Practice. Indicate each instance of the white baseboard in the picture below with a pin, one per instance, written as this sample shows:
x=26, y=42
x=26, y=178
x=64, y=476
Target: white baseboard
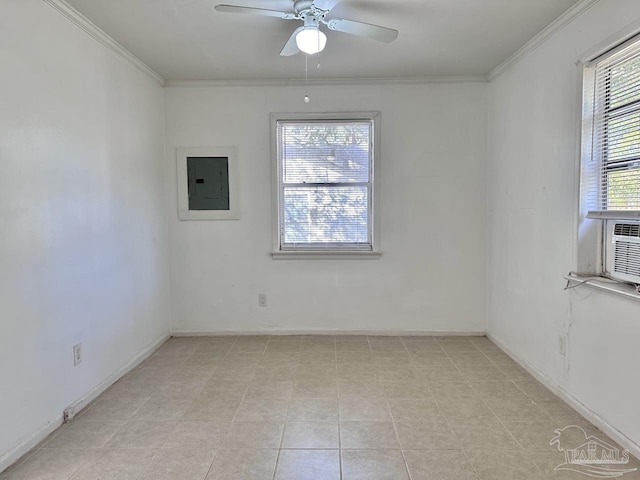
x=581, y=408
x=22, y=448
x=407, y=333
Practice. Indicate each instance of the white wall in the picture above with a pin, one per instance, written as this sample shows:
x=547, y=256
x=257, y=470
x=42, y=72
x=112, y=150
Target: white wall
x=532, y=210
x=84, y=239
x=432, y=216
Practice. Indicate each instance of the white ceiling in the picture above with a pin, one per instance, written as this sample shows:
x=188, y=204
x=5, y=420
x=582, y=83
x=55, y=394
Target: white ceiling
x=189, y=40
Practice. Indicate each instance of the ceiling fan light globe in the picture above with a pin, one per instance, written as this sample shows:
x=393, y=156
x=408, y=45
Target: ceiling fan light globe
x=311, y=40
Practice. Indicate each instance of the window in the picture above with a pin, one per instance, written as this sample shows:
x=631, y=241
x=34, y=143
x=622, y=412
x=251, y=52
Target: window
x=613, y=164
x=608, y=244
x=324, y=166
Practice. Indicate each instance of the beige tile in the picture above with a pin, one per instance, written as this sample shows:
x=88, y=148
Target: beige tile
x=251, y=343
x=534, y=436
x=262, y=409
x=254, y=435
x=418, y=348
x=308, y=465
x=49, y=464
x=242, y=359
x=270, y=389
x=536, y=391
x=276, y=372
x=241, y=464
x=373, y=464
x=109, y=464
x=166, y=360
x=484, y=344
x=282, y=345
x=280, y=359
x=161, y=406
x=482, y=373
x=503, y=465
x=235, y=373
x=414, y=410
x=218, y=349
x=113, y=407
x=439, y=465
x=208, y=408
x=483, y=434
x=516, y=409
x=364, y=409
x=452, y=390
x=357, y=346
x=315, y=372
x=562, y=413
x=498, y=357
x=151, y=375
x=179, y=464
x=440, y=373
x=397, y=373
x=400, y=358
x=368, y=435
x=225, y=389
x=351, y=357
x=469, y=358
x=318, y=344
x=515, y=372
x=434, y=435
x=313, y=409
x=317, y=358
x=461, y=410
x=84, y=434
x=315, y=388
x=311, y=435
x=406, y=390
x=354, y=388
x=357, y=371
x=458, y=346
x=197, y=434
x=497, y=389
x=203, y=360
x=141, y=434
x=437, y=359
x=179, y=346
x=127, y=388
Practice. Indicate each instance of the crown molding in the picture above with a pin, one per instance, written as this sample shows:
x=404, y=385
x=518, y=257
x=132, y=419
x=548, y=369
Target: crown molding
x=79, y=20
x=293, y=82
x=558, y=24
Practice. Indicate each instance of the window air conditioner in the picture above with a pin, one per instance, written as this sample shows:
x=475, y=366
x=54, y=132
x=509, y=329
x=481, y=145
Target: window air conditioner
x=623, y=254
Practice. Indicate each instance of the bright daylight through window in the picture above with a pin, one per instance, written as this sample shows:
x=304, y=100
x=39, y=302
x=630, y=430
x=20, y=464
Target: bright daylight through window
x=613, y=81
x=325, y=182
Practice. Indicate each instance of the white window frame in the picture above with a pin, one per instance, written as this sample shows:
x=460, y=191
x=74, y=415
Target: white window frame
x=329, y=251
x=592, y=226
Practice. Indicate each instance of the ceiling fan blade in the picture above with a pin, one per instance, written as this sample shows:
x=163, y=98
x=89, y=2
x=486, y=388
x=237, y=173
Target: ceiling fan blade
x=291, y=47
x=325, y=5
x=255, y=11
x=382, y=34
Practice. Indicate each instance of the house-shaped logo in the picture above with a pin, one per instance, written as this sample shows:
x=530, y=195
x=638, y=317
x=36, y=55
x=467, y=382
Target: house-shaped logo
x=589, y=455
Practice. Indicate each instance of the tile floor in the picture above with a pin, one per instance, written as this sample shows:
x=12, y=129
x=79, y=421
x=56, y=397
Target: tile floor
x=315, y=407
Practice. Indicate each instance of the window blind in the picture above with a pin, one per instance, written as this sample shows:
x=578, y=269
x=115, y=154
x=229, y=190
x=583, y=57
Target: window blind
x=325, y=181
x=615, y=156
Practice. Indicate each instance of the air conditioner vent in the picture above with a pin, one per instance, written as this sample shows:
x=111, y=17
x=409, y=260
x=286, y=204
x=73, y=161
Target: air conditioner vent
x=627, y=230
x=627, y=258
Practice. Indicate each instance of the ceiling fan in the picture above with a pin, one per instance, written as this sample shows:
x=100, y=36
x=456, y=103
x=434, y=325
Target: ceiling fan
x=308, y=37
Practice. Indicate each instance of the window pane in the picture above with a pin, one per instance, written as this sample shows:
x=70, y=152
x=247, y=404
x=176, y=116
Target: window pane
x=623, y=137
x=325, y=152
x=625, y=83
x=326, y=215
x=622, y=189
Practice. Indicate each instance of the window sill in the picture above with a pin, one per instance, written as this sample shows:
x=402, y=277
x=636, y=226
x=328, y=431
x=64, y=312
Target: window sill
x=602, y=283
x=324, y=255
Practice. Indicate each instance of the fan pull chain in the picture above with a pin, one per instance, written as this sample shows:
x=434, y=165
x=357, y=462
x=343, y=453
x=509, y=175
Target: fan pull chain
x=306, y=78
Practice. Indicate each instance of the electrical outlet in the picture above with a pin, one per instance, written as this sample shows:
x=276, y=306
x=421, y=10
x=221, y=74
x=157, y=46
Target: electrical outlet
x=262, y=299
x=77, y=354
x=562, y=345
